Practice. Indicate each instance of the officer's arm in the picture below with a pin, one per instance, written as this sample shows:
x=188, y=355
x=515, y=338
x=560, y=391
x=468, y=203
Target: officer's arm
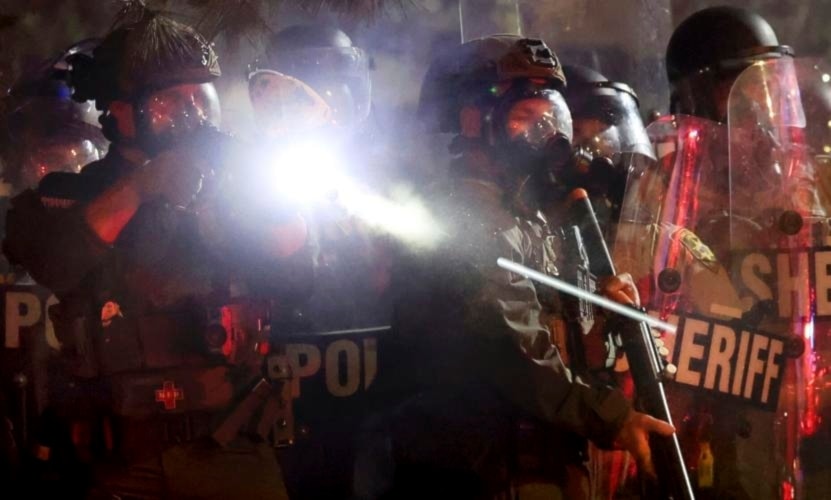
x=289, y=270
x=109, y=213
x=271, y=253
x=533, y=376
x=48, y=234
x=289, y=277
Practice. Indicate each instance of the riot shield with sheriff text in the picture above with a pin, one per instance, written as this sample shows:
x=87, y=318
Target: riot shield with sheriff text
x=679, y=276
x=724, y=235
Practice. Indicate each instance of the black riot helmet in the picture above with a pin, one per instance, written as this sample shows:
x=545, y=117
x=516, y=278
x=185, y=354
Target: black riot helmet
x=305, y=36
x=482, y=81
x=708, y=50
x=609, y=135
x=47, y=130
x=310, y=76
x=161, y=68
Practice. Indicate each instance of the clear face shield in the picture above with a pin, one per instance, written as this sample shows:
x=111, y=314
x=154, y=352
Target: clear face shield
x=173, y=114
x=611, y=125
x=309, y=88
x=284, y=105
x=52, y=135
x=772, y=176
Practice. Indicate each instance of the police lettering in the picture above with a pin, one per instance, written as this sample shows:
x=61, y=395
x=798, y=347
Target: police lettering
x=26, y=307
x=347, y=365
x=717, y=357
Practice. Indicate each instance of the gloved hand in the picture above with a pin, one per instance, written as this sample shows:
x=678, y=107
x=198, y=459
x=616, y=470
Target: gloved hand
x=174, y=175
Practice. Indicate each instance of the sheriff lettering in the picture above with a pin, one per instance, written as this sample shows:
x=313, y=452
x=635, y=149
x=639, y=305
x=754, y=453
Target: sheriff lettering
x=798, y=281
x=726, y=359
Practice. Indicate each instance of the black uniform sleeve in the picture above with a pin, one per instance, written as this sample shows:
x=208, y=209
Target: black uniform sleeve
x=289, y=279
x=46, y=234
x=475, y=322
x=517, y=358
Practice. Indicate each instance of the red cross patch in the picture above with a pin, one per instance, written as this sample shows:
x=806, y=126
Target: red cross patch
x=169, y=394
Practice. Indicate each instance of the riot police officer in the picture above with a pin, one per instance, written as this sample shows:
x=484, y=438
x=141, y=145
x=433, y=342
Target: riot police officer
x=141, y=269
x=310, y=91
x=609, y=143
x=472, y=356
x=738, y=121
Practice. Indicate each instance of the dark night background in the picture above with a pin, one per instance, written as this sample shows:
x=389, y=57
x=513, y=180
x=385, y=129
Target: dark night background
x=401, y=36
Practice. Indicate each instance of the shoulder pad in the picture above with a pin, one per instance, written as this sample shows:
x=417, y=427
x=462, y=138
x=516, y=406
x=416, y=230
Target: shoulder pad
x=61, y=190
x=64, y=189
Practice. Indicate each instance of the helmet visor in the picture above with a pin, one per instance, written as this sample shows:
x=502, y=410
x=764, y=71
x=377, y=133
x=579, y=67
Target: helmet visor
x=770, y=166
x=611, y=126
x=175, y=112
x=339, y=75
x=284, y=105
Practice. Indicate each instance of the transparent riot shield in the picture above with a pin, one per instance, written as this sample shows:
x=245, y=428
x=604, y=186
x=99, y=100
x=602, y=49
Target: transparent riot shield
x=579, y=33
x=815, y=90
x=771, y=172
x=480, y=18
x=632, y=52
x=774, y=191
x=815, y=425
x=667, y=203
x=725, y=236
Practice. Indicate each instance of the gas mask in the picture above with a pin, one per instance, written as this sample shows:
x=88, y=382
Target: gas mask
x=609, y=138
x=595, y=159
x=533, y=140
